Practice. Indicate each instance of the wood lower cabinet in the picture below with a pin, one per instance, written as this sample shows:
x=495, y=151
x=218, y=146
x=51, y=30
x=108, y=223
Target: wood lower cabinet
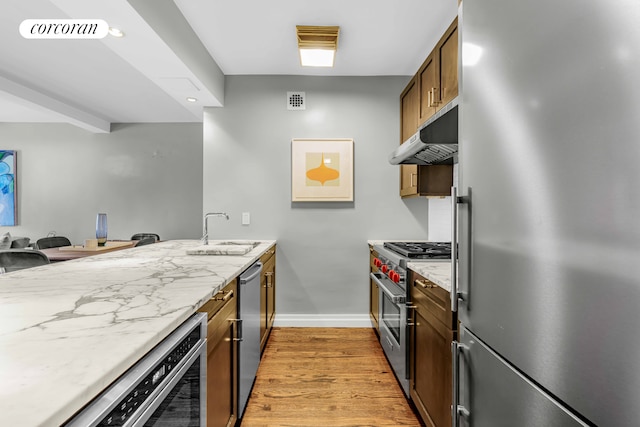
x=222, y=357
x=433, y=328
x=268, y=295
x=374, y=295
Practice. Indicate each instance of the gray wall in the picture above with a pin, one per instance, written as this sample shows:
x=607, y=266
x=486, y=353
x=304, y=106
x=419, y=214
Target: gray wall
x=146, y=177
x=322, y=265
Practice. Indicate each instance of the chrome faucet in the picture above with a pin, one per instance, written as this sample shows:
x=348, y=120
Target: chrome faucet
x=205, y=231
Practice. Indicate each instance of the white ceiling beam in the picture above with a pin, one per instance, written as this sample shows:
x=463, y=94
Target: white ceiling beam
x=160, y=44
x=71, y=114
x=169, y=23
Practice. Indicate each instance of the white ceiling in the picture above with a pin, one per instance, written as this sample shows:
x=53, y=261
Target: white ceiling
x=179, y=48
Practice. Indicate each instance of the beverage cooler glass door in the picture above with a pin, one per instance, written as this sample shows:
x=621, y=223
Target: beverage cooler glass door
x=183, y=402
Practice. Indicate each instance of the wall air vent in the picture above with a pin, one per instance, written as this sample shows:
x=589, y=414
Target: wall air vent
x=296, y=101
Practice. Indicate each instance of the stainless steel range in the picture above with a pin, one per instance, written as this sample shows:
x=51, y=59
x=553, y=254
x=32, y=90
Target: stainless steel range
x=394, y=296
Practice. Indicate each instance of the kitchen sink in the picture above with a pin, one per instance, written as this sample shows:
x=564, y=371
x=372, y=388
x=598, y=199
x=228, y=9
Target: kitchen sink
x=251, y=243
x=224, y=247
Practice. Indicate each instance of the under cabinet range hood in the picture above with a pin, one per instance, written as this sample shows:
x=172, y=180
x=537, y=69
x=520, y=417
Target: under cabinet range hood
x=435, y=143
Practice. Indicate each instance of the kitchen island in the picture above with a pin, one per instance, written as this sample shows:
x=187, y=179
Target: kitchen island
x=68, y=330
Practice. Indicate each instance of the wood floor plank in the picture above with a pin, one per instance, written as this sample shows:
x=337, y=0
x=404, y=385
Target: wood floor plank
x=329, y=377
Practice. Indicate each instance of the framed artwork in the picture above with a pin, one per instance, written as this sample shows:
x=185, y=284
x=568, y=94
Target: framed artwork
x=322, y=170
x=8, y=195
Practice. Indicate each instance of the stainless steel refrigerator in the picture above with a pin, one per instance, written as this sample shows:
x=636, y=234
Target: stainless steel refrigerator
x=549, y=214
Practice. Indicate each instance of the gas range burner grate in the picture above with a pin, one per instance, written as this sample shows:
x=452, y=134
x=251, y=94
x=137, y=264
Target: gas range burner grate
x=421, y=250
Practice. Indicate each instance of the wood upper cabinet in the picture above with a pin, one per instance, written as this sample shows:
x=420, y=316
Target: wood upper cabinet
x=434, y=85
x=267, y=295
x=433, y=328
x=428, y=88
x=222, y=357
x=438, y=75
x=409, y=109
x=447, y=56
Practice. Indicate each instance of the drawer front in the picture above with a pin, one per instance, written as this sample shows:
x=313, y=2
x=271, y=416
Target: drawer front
x=218, y=325
x=218, y=301
x=432, y=298
x=268, y=254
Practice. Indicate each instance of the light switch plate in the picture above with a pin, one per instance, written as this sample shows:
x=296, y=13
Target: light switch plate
x=246, y=218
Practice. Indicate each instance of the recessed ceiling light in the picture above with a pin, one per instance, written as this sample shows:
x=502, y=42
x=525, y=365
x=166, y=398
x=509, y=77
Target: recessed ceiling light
x=317, y=45
x=116, y=32
x=191, y=99
x=317, y=57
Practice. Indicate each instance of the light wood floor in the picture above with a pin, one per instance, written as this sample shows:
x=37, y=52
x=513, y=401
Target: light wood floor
x=326, y=377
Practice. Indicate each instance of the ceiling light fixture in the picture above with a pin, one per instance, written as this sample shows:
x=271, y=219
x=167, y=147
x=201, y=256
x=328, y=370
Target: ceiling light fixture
x=116, y=32
x=191, y=99
x=317, y=45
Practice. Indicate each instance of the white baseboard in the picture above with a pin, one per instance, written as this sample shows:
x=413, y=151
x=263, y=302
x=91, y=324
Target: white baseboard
x=323, y=321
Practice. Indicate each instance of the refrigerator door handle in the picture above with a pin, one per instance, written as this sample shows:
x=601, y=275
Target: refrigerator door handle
x=457, y=349
x=454, y=249
x=456, y=294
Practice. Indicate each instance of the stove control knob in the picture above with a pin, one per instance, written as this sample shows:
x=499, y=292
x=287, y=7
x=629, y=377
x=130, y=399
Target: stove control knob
x=385, y=268
x=377, y=262
x=392, y=276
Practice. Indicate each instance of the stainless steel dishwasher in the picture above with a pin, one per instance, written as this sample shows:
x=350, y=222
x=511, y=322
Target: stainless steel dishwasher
x=249, y=351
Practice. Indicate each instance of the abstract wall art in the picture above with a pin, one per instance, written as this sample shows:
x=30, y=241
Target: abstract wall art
x=322, y=170
x=8, y=195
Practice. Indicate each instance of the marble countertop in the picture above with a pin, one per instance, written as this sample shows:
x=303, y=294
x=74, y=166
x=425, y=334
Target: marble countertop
x=380, y=242
x=438, y=272
x=69, y=329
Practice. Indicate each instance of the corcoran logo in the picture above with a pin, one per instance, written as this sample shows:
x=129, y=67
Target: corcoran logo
x=64, y=28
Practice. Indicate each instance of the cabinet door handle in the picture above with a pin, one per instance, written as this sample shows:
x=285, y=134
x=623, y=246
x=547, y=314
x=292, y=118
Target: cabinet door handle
x=429, y=102
x=433, y=96
x=269, y=276
x=226, y=297
x=425, y=285
x=411, y=322
x=411, y=184
x=239, y=329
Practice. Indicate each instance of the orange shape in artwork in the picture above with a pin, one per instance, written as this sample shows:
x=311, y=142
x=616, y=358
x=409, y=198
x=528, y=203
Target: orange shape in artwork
x=322, y=173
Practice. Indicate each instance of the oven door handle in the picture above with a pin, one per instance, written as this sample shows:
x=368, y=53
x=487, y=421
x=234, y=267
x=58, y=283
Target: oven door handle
x=397, y=297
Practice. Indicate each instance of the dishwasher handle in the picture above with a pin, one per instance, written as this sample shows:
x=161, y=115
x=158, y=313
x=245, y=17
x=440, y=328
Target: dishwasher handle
x=251, y=273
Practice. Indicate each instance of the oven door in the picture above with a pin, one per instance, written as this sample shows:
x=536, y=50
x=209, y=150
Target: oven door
x=392, y=321
x=183, y=401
